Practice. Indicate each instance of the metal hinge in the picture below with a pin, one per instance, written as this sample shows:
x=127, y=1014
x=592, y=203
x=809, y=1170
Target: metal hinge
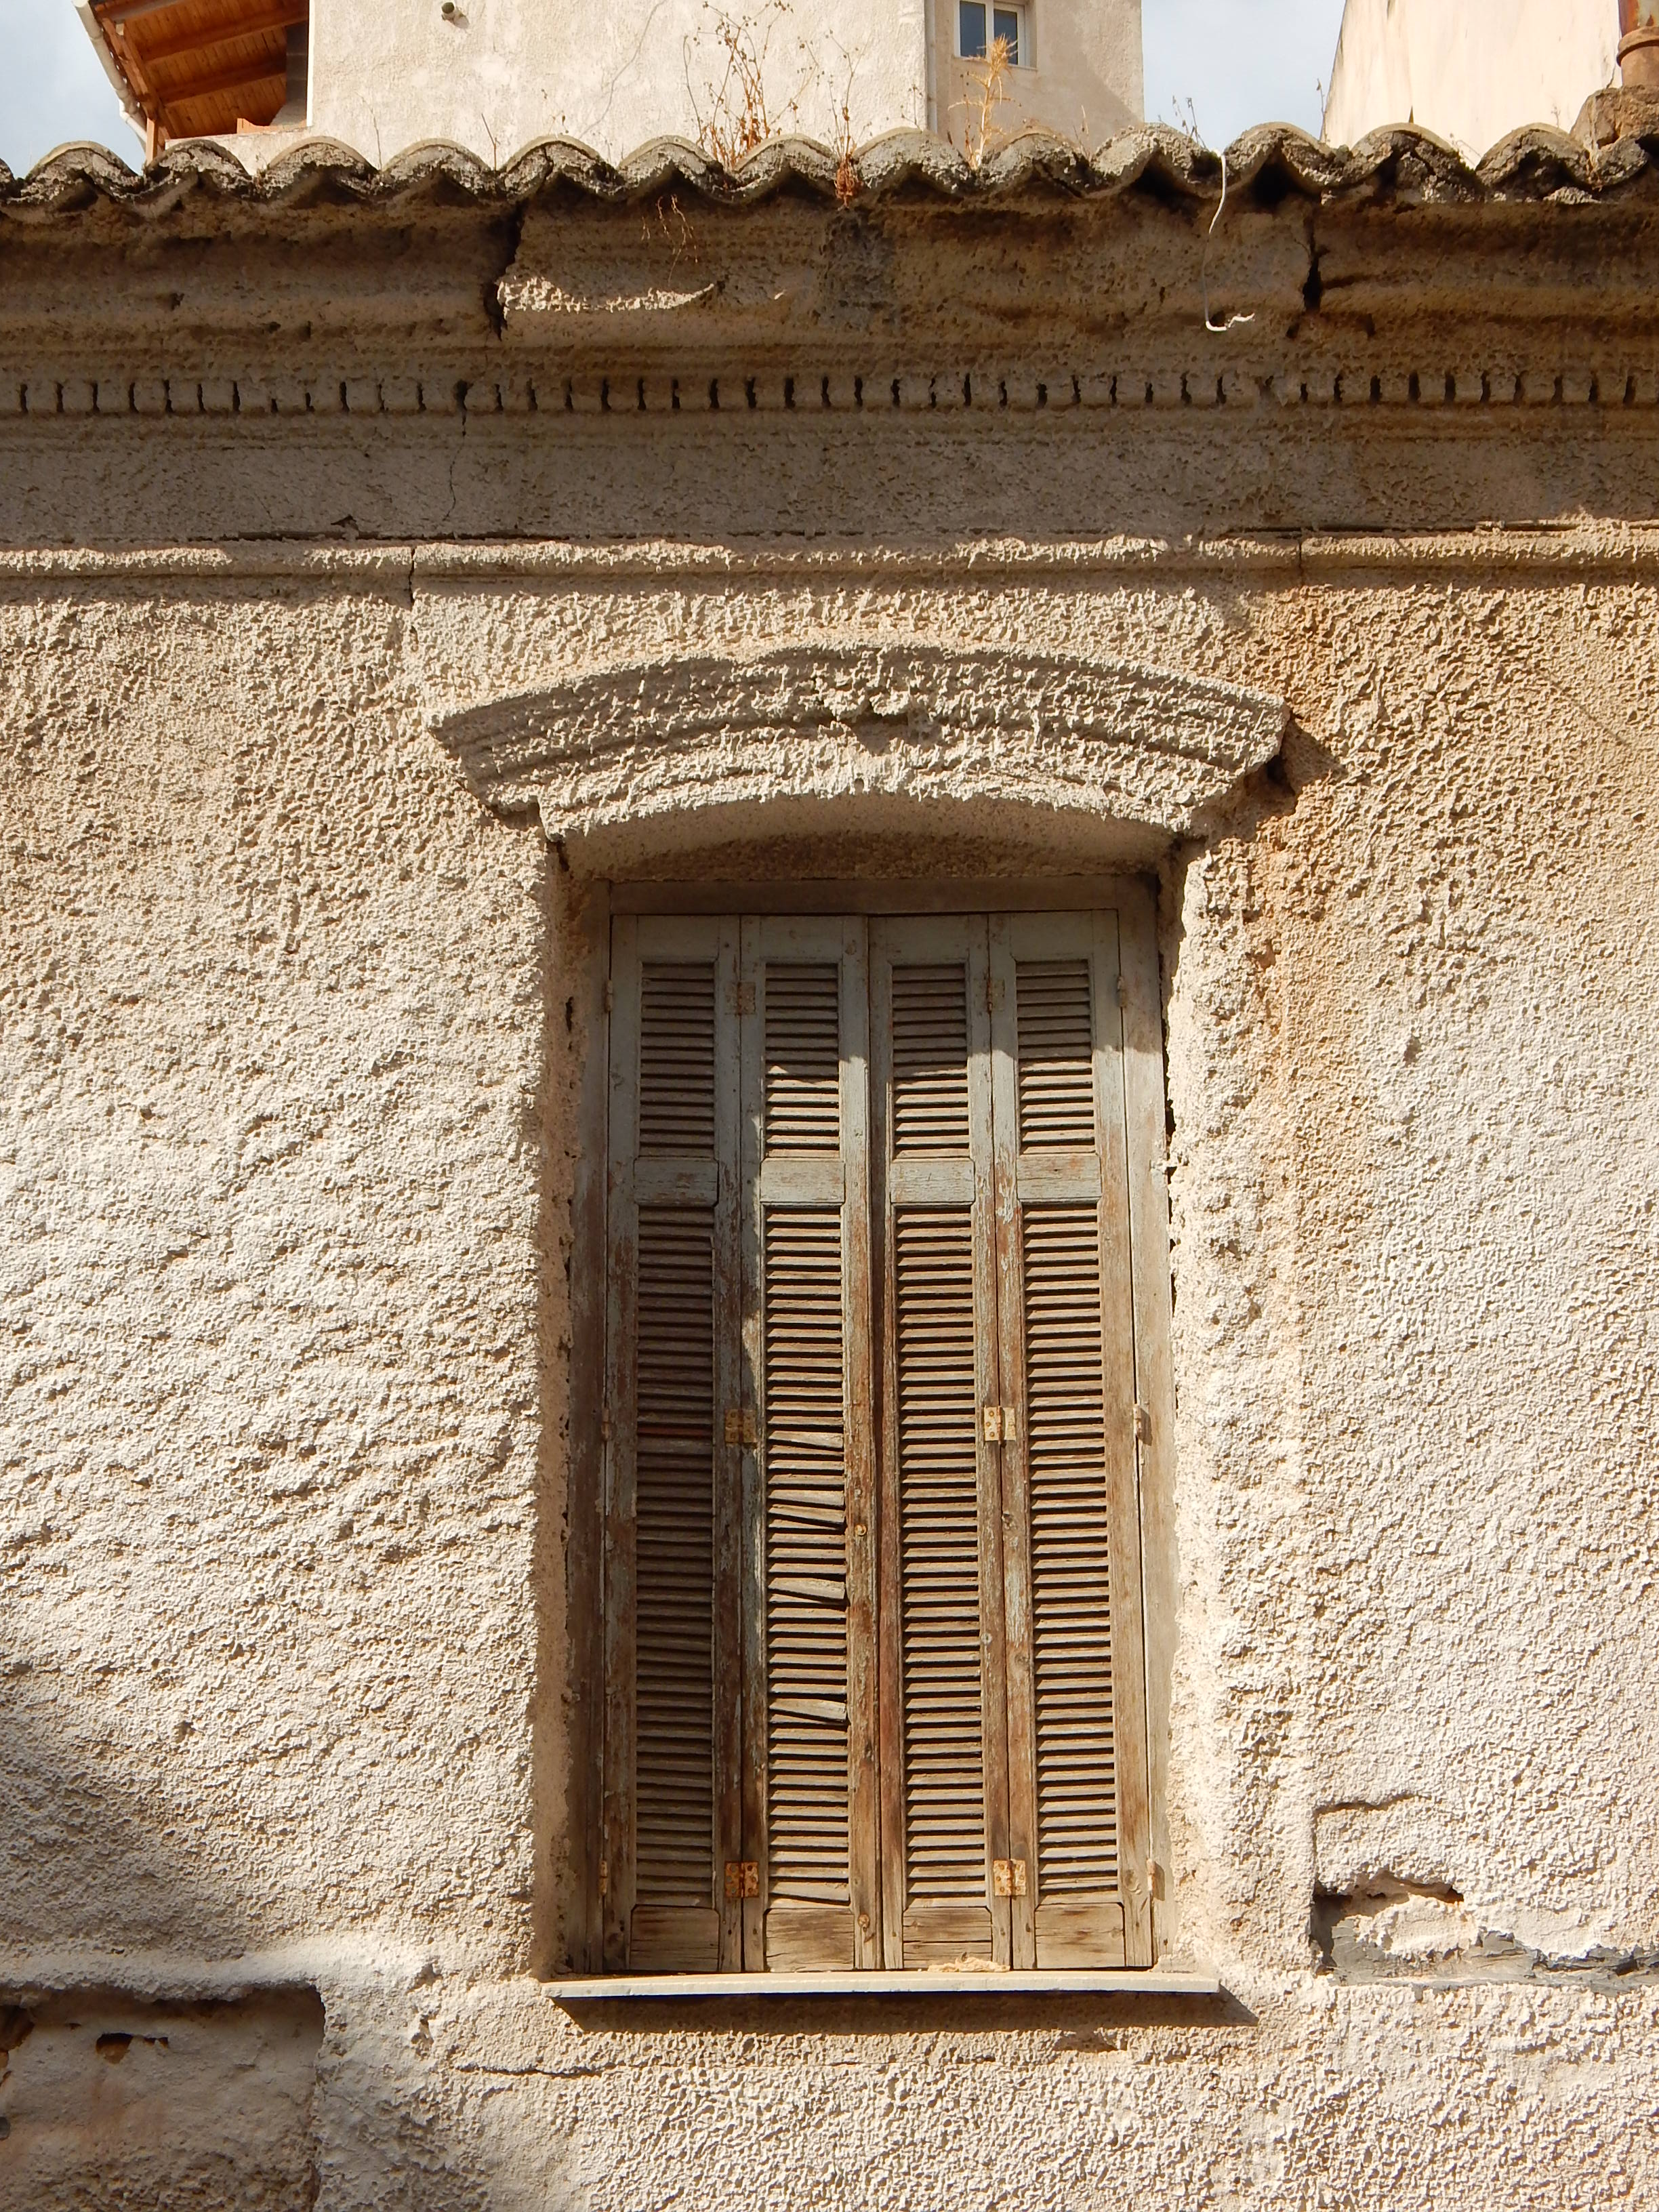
x=605, y=1877
x=1008, y=1878
x=1122, y=992
x=742, y=1880
x=605, y=1427
x=1142, y=1426
x=993, y=992
x=609, y=997
x=1001, y=1424
x=740, y=1425
x=742, y=998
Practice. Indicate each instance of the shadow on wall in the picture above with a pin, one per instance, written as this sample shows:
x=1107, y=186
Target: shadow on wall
x=108, y=2101
x=90, y=1862
x=106, y=2098
x=229, y=2103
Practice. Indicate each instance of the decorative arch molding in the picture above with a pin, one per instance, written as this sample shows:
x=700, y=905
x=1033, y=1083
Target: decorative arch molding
x=817, y=722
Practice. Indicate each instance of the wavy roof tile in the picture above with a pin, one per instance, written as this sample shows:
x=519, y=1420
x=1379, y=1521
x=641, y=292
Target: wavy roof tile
x=1401, y=165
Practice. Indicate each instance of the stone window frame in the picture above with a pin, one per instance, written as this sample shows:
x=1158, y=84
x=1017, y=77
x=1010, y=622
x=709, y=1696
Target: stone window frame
x=731, y=742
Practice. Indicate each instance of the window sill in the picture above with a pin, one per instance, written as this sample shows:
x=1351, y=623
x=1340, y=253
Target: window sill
x=1054, y=1981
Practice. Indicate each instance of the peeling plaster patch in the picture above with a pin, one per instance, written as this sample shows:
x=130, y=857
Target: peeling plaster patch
x=1390, y=1930
x=109, y=2100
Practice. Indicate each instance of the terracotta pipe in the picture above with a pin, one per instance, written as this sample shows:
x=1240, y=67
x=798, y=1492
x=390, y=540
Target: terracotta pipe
x=1638, y=44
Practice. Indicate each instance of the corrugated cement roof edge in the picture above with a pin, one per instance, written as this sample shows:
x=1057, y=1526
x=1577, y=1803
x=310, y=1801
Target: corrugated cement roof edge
x=1401, y=164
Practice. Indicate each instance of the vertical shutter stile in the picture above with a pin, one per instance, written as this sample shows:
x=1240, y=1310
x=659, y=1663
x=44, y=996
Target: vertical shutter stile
x=1011, y=1334
x=1131, y=1076
x=1078, y=1718
x=671, y=1735
x=811, y=1827
x=616, y=1430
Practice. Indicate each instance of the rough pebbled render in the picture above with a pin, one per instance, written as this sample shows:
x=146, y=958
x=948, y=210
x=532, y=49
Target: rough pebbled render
x=290, y=1032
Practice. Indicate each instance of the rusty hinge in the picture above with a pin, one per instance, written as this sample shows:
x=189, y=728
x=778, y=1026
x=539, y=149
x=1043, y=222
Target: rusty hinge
x=1122, y=991
x=742, y=1880
x=742, y=998
x=993, y=992
x=609, y=997
x=1008, y=1878
x=605, y=1877
x=1001, y=1424
x=605, y=1427
x=740, y=1425
x=1142, y=1426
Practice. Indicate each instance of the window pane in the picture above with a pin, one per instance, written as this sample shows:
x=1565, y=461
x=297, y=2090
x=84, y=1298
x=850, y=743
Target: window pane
x=971, y=29
x=1005, y=24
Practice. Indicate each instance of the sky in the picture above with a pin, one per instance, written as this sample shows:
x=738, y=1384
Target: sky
x=1221, y=63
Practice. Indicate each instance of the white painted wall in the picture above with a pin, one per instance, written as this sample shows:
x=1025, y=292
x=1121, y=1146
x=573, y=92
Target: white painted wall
x=1470, y=71
x=498, y=74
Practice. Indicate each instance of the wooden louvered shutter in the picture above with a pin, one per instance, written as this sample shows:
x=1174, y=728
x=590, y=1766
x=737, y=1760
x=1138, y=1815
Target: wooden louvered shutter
x=673, y=1661
x=944, y=1803
x=1076, y=1681
x=811, y=1802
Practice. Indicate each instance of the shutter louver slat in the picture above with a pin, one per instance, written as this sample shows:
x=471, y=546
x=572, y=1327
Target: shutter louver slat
x=676, y=1058
x=803, y=1058
x=1054, y=1027
x=667, y=1388
x=811, y=1790
x=1071, y=1563
x=938, y=1550
x=946, y=1802
x=674, y=1548
x=930, y=1058
x=806, y=1557
x=1069, y=1473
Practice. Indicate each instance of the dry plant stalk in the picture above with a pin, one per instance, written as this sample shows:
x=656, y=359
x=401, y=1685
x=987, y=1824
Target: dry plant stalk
x=672, y=228
x=987, y=90
x=738, y=119
x=841, y=143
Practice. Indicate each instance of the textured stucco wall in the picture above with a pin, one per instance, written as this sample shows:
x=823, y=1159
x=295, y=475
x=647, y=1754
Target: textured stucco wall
x=288, y=1140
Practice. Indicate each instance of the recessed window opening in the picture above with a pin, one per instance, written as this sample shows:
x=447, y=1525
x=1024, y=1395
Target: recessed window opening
x=874, y=1627
x=979, y=27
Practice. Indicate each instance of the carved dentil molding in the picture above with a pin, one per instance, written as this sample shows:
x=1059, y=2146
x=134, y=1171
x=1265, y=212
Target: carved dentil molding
x=826, y=721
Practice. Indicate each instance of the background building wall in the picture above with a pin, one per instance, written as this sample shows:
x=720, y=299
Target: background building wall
x=500, y=73
x=1470, y=71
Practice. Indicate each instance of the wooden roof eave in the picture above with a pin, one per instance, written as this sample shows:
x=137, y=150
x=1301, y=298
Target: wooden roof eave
x=200, y=52
x=126, y=92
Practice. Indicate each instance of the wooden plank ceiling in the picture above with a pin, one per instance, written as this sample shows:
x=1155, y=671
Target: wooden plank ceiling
x=197, y=67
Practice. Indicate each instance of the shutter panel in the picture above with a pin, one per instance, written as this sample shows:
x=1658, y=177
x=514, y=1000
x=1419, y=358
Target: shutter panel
x=810, y=1788
x=943, y=1705
x=1077, y=1707
x=673, y=1664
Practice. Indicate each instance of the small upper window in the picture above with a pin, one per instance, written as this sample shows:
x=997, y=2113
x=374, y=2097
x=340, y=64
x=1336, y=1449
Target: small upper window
x=1006, y=26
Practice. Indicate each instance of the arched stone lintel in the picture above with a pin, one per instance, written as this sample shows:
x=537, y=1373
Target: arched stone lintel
x=823, y=721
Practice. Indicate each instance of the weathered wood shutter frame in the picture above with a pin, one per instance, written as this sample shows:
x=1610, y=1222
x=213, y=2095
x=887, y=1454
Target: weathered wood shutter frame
x=776, y=1183
x=1093, y=1175
x=1127, y=941
x=917, y=1930
x=710, y=1184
